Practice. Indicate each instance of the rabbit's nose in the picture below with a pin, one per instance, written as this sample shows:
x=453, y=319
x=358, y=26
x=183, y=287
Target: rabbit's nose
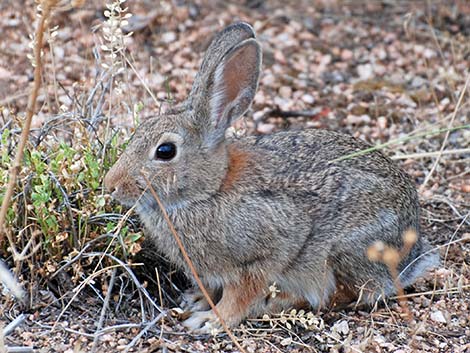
x=111, y=190
x=111, y=180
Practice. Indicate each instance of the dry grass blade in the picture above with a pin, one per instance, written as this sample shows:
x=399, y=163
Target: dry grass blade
x=454, y=114
x=46, y=6
x=432, y=154
x=191, y=266
x=104, y=308
x=400, y=141
x=119, y=264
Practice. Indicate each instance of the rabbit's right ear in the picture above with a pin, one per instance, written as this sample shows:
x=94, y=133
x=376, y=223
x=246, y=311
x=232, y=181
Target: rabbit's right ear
x=235, y=81
x=227, y=90
x=225, y=40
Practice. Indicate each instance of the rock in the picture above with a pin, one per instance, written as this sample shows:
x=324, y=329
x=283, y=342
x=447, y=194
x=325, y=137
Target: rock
x=266, y=128
x=307, y=98
x=365, y=71
x=357, y=119
x=168, y=37
x=406, y=101
x=285, y=92
x=5, y=74
x=418, y=82
x=341, y=327
x=444, y=102
x=438, y=316
x=268, y=80
x=429, y=53
x=333, y=77
x=257, y=116
x=346, y=55
x=279, y=56
x=382, y=122
x=283, y=103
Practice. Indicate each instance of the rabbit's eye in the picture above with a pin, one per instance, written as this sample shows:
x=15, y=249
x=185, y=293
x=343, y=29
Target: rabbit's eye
x=165, y=151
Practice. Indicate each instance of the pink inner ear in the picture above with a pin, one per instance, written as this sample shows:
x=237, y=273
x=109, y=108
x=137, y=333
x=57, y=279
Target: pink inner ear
x=237, y=75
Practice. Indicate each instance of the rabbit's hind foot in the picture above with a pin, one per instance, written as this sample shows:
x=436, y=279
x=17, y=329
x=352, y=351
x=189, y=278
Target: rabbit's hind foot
x=193, y=300
x=233, y=307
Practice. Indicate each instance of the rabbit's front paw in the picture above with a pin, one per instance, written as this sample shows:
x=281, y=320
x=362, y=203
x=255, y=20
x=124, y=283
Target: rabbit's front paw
x=193, y=300
x=203, y=322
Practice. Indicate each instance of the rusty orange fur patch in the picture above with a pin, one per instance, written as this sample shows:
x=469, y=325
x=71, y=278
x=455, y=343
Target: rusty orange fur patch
x=237, y=298
x=252, y=288
x=237, y=163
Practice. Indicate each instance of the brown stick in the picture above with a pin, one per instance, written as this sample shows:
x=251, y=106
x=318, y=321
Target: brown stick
x=191, y=266
x=47, y=6
x=294, y=113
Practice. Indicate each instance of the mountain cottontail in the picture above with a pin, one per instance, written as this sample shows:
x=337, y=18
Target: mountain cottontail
x=259, y=210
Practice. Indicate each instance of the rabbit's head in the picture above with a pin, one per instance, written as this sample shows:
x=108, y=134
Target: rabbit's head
x=183, y=152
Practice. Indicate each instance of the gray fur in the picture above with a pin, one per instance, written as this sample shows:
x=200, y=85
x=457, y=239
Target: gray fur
x=288, y=215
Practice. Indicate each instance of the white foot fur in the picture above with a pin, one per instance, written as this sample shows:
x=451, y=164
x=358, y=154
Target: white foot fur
x=203, y=322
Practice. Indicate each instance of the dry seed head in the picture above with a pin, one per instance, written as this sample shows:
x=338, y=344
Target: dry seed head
x=113, y=35
x=375, y=251
x=391, y=257
x=273, y=290
x=410, y=237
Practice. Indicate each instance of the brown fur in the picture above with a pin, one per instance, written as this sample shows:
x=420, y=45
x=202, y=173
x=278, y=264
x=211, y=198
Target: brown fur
x=237, y=298
x=238, y=162
x=120, y=175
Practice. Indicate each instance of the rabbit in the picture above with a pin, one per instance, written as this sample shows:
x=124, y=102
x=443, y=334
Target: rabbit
x=258, y=211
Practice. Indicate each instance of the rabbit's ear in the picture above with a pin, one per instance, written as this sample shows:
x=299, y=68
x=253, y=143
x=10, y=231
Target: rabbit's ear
x=234, y=85
x=225, y=40
x=230, y=90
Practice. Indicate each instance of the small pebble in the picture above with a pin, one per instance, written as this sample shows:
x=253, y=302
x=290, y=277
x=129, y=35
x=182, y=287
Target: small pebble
x=438, y=316
x=266, y=128
x=285, y=92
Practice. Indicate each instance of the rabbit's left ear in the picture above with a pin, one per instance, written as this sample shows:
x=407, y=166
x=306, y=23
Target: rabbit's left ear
x=234, y=83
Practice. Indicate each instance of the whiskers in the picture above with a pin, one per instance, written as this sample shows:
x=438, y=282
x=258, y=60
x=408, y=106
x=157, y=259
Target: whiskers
x=168, y=192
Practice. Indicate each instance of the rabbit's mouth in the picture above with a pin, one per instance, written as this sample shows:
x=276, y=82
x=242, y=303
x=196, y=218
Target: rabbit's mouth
x=126, y=201
x=132, y=200
x=146, y=203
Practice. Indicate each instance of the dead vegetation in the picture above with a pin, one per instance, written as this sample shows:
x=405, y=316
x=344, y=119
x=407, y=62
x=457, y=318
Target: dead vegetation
x=394, y=74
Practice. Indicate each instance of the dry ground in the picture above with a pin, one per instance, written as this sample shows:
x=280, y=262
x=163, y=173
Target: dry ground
x=379, y=70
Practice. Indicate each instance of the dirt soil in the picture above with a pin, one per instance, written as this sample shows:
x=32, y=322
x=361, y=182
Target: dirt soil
x=379, y=70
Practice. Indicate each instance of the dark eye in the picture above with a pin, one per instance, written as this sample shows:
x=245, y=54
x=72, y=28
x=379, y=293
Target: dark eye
x=165, y=151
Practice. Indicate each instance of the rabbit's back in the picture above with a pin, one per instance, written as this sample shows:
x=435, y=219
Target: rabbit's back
x=288, y=212
x=339, y=195
x=309, y=163
x=350, y=204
